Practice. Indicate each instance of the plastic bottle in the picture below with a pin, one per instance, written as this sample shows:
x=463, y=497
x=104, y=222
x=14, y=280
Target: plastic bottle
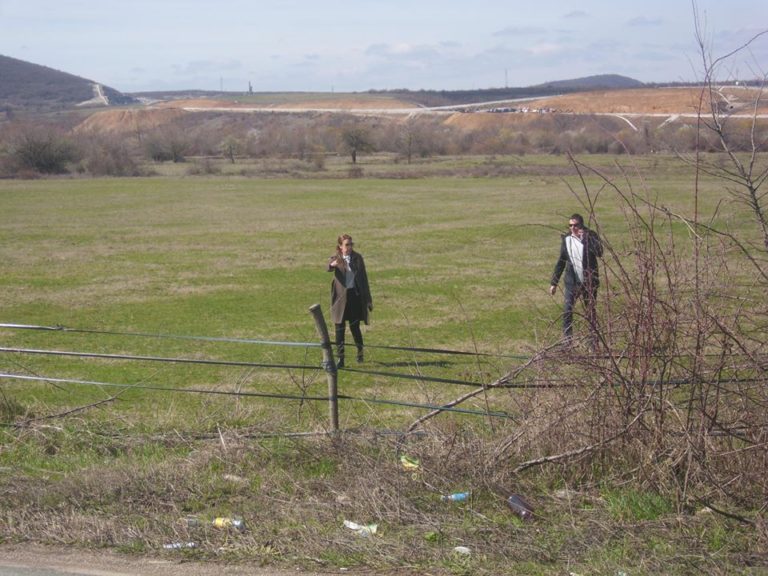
x=362, y=529
x=520, y=507
x=455, y=497
x=179, y=545
x=225, y=522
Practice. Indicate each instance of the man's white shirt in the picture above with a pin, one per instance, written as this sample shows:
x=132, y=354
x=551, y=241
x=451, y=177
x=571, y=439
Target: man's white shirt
x=576, y=254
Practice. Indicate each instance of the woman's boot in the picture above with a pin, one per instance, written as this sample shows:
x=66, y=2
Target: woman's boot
x=357, y=334
x=340, y=345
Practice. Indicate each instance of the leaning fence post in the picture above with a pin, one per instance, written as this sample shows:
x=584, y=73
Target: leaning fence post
x=328, y=364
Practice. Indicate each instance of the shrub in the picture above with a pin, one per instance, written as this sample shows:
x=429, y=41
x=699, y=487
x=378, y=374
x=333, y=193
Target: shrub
x=46, y=154
x=109, y=157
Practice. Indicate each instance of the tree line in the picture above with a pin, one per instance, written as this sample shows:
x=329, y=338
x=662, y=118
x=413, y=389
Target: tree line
x=61, y=146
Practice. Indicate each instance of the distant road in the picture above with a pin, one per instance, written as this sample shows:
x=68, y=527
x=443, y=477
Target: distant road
x=447, y=110
x=371, y=111
x=99, y=98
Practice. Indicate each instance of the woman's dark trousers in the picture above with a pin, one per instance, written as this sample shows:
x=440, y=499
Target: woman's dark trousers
x=357, y=335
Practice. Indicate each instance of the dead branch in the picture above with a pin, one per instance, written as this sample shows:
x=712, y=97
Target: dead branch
x=31, y=421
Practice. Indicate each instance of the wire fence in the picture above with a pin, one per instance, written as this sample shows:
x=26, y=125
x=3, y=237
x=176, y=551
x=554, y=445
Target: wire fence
x=326, y=366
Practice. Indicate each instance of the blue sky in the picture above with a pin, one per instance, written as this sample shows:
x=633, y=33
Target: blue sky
x=342, y=45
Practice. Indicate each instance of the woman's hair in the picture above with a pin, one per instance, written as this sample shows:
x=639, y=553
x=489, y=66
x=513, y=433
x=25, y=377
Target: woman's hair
x=340, y=241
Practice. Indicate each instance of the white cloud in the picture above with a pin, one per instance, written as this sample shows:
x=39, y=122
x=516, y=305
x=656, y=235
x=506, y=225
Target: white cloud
x=544, y=49
x=516, y=31
x=644, y=22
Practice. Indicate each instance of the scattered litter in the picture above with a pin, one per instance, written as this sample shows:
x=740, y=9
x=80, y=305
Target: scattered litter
x=179, y=545
x=462, y=550
x=705, y=510
x=226, y=522
x=235, y=479
x=566, y=494
x=520, y=507
x=343, y=499
x=191, y=521
x=456, y=497
x=362, y=529
x=409, y=463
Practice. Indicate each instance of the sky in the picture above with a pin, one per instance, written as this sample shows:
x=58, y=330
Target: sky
x=355, y=46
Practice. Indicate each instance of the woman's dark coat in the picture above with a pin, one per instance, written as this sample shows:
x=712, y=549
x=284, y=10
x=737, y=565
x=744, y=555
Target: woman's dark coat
x=339, y=291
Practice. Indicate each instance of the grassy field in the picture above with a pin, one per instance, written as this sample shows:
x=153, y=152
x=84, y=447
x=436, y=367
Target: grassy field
x=454, y=263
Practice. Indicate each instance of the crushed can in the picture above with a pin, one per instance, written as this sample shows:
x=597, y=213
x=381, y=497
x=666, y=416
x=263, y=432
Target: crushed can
x=226, y=522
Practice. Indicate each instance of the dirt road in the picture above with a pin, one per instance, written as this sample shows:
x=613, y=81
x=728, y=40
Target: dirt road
x=37, y=560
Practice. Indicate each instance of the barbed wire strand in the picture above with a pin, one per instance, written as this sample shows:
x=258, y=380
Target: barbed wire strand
x=157, y=359
x=269, y=395
x=60, y=328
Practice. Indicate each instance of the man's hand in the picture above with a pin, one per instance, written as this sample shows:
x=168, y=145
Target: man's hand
x=552, y=289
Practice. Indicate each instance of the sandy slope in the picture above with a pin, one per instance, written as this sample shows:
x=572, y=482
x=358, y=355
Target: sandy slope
x=659, y=101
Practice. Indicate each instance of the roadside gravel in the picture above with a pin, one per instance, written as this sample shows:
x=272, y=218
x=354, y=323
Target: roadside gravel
x=34, y=559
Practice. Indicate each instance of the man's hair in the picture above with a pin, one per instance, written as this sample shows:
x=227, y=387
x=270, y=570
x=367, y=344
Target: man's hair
x=579, y=218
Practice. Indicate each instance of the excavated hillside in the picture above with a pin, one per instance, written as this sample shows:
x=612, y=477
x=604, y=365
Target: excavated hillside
x=645, y=101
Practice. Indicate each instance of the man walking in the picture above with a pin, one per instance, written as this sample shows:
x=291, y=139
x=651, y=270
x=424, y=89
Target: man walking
x=579, y=250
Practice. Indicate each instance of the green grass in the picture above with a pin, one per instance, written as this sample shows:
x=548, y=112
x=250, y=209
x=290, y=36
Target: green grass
x=454, y=263
x=632, y=506
x=460, y=263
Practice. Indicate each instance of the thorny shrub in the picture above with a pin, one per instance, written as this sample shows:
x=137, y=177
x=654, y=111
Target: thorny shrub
x=674, y=397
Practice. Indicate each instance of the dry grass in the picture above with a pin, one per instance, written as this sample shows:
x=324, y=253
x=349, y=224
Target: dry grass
x=294, y=495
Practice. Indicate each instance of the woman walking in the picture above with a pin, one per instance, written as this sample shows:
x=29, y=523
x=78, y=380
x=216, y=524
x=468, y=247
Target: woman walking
x=350, y=295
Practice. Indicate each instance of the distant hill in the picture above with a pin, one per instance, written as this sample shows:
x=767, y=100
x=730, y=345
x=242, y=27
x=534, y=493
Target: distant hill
x=32, y=87
x=599, y=82
x=453, y=97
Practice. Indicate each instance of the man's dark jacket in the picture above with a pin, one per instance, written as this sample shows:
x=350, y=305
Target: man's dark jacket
x=593, y=249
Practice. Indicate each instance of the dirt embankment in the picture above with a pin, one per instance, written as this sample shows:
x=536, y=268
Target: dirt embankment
x=127, y=121
x=651, y=101
x=328, y=103
x=640, y=101
x=656, y=101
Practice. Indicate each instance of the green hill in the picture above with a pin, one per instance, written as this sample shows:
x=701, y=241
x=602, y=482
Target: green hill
x=31, y=87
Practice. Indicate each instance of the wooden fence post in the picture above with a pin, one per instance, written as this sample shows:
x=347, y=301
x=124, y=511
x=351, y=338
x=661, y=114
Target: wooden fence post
x=328, y=364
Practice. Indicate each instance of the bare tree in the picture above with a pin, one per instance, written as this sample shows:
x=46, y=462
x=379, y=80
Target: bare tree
x=356, y=139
